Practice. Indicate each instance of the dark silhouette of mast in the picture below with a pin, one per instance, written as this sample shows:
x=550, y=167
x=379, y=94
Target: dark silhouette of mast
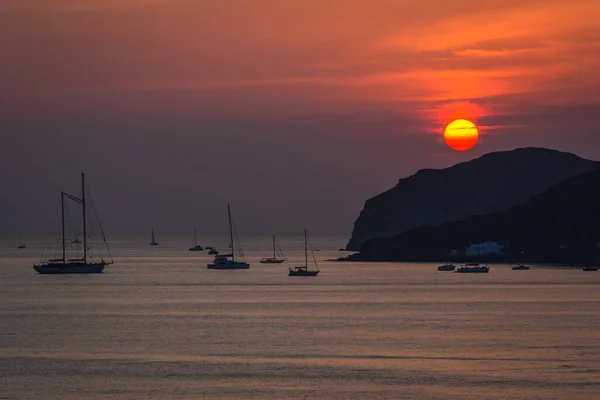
x=62, y=218
x=305, y=250
x=84, y=224
x=230, y=233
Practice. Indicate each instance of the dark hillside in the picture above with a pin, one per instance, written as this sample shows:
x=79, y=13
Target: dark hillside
x=560, y=225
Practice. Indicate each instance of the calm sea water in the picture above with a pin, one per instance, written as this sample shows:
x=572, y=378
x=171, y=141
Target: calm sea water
x=159, y=325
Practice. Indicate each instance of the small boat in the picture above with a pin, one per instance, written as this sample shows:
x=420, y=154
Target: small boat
x=20, y=244
x=83, y=265
x=213, y=252
x=196, y=247
x=520, y=268
x=589, y=269
x=473, y=269
x=447, y=267
x=274, y=259
x=76, y=241
x=209, y=248
x=153, y=242
x=228, y=261
x=303, y=270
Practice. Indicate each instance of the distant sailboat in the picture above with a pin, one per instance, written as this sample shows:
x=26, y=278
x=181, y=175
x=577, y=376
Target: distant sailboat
x=228, y=261
x=74, y=265
x=303, y=270
x=274, y=259
x=153, y=242
x=473, y=268
x=20, y=244
x=196, y=247
x=447, y=267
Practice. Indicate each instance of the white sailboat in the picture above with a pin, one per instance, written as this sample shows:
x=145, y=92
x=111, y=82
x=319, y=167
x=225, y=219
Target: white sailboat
x=276, y=251
x=228, y=261
x=196, y=247
x=153, y=242
x=84, y=265
x=303, y=270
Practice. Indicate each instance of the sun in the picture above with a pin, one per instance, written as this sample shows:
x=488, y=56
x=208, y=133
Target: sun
x=461, y=134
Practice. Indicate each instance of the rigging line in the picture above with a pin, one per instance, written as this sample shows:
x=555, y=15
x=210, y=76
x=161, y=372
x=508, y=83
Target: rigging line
x=70, y=196
x=313, y=254
x=68, y=232
x=279, y=249
x=237, y=242
x=99, y=223
x=50, y=239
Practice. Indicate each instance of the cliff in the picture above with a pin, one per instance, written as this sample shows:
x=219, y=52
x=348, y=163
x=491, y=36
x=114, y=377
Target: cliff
x=491, y=183
x=560, y=225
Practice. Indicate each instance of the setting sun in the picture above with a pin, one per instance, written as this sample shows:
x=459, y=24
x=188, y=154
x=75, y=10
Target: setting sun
x=461, y=134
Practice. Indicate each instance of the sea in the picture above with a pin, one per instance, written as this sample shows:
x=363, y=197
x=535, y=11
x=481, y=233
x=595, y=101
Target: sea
x=159, y=325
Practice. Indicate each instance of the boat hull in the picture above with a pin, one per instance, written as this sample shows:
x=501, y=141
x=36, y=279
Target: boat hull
x=520, y=268
x=271, y=261
x=196, y=249
x=589, y=269
x=302, y=273
x=478, y=270
x=229, y=265
x=70, y=268
x=446, y=268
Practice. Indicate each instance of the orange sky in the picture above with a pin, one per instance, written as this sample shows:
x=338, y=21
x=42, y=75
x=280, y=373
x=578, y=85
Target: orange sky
x=362, y=88
x=240, y=57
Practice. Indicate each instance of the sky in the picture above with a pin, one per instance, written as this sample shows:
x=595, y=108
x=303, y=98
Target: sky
x=294, y=111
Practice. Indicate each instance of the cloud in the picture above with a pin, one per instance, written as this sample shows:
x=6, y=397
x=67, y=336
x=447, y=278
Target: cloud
x=73, y=5
x=547, y=21
x=545, y=52
x=255, y=55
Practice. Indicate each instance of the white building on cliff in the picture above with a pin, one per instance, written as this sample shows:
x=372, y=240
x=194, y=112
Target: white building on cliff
x=483, y=249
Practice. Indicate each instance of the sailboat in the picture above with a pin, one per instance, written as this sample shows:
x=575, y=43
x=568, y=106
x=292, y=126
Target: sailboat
x=20, y=244
x=303, y=270
x=196, y=247
x=153, y=242
x=473, y=268
x=228, y=261
x=74, y=265
x=274, y=259
x=447, y=267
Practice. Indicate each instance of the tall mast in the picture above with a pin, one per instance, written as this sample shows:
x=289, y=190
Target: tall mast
x=274, y=247
x=62, y=218
x=305, y=250
x=230, y=233
x=194, y=237
x=84, y=225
